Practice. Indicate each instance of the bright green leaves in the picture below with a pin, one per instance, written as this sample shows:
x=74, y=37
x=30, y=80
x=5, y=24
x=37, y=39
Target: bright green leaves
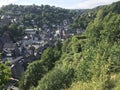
x=4, y=74
x=35, y=72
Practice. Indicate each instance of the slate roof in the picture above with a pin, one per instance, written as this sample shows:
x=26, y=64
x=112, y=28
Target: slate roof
x=5, y=39
x=17, y=59
x=9, y=45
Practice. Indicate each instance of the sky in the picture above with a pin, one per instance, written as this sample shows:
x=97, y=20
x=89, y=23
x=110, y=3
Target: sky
x=68, y=4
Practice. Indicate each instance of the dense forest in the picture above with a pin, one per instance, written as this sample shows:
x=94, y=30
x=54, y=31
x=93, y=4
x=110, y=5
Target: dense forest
x=39, y=15
x=88, y=61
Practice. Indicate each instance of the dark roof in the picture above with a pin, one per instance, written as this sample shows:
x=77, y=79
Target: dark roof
x=1, y=40
x=9, y=45
x=5, y=39
x=17, y=59
x=32, y=48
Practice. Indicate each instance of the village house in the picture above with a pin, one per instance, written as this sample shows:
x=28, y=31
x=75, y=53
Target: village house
x=17, y=67
x=30, y=31
x=10, y=51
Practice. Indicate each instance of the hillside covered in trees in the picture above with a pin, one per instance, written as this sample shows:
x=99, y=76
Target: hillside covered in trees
x=90, y=61
x=82, y=20
x=37, y=16
x=87, y=61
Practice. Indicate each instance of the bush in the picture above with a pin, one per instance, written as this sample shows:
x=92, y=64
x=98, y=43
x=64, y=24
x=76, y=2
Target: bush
x=4, y=74
x=33, y=74
x=55, y=80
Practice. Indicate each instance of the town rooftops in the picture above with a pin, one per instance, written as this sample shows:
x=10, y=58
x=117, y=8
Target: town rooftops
x=17, y=59
x=30, y=31
x=9, y=46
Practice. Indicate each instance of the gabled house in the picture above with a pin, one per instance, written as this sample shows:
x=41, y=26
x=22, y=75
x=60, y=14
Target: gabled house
x=17, y=67
x=30, y=31
x=10, y=50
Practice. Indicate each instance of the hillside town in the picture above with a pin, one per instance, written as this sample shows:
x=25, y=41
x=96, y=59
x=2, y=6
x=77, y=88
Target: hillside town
x=31, y=46
x=58, y=48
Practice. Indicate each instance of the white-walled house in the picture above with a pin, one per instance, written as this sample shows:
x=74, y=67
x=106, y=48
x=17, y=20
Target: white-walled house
x=30, y=31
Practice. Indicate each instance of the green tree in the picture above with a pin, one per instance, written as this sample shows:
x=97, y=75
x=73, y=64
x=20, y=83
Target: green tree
x=48, y=58
x=35, y=72
x=57, y=50
x=55, y=80
x=4, y=74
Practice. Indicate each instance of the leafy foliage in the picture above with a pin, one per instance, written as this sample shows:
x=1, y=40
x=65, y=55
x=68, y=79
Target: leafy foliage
x=35, y=72
x=38, y=15
x=90, y=61
x=13, y=30
x=38, y=69
x=55, y=80
x=4, y=74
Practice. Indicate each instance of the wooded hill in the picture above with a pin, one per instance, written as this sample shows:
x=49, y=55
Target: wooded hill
x=39, y=15
x=89, y=61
